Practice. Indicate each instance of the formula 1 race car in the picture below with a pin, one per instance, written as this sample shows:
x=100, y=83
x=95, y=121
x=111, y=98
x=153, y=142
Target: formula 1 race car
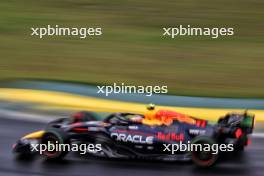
x=127, y=135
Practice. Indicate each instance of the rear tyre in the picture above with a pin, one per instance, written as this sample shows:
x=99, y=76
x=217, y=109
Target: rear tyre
x=204, y=158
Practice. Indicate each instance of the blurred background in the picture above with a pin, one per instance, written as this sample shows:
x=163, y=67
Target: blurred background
x=132, y=49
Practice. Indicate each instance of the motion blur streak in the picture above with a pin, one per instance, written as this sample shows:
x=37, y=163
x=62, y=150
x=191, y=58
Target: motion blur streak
x=77, y=102
x=132, y=49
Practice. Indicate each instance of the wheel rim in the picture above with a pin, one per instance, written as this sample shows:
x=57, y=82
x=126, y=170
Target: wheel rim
x=52, y=140
x=204, y=158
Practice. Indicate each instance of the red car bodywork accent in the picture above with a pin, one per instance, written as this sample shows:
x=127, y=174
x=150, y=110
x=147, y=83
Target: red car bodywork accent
x=238, y=133
x=201, y=123
x=76, y=129
x=78, y=116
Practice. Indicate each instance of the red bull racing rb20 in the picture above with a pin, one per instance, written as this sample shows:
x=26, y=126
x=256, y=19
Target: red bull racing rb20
x=157, y=135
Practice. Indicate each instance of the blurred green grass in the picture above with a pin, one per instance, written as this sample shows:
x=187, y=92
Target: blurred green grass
x=132, y=49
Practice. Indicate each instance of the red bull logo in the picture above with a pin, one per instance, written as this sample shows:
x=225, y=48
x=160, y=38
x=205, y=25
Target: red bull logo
x=170, y=136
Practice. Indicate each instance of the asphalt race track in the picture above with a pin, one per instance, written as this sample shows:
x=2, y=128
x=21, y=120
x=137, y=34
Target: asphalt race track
x=249, y=163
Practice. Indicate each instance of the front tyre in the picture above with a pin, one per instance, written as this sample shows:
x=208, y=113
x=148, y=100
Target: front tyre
x=53, y=139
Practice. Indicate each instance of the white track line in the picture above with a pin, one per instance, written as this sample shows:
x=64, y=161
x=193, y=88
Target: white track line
x=258, y=135
x=10, y=114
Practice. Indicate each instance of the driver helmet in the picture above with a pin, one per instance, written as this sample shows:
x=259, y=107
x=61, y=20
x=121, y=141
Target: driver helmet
x=151, y=107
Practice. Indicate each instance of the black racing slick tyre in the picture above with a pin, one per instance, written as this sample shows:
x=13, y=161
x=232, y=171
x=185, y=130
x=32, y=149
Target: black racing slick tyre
x=53, y=140
x=203, y=158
